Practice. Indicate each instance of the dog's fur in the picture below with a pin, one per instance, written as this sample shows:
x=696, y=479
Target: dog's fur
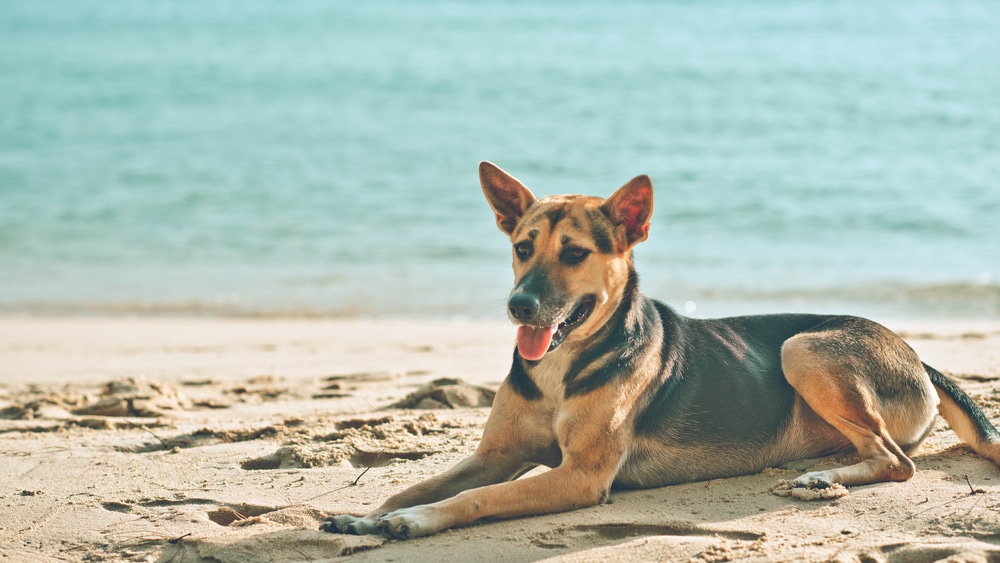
x=622, y=391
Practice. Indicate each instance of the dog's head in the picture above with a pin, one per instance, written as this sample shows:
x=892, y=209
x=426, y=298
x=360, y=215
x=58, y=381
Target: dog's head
x=572, y=256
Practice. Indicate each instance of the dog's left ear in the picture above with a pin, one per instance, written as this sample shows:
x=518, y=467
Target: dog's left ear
x=508, y=197
x=631, y=208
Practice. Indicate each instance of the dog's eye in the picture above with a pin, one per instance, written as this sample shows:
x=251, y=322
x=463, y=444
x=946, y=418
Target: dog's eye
x=523, y=250
x=574, y=255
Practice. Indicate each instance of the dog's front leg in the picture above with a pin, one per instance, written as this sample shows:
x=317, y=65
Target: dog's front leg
x=475, y=471
x=593, y=441
x=566, y=487
x=517, y=436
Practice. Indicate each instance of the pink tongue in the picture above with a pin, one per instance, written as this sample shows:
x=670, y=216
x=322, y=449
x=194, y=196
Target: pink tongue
x=533, y=341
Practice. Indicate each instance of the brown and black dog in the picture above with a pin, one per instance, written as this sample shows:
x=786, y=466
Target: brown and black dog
x=612, y=389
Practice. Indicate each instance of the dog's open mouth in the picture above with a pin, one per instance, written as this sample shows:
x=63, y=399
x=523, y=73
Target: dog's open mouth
x=533, y=342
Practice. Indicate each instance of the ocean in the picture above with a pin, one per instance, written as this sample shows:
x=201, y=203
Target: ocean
x=319, y=158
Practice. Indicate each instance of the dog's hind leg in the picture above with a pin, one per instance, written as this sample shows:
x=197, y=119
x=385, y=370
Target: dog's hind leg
x=869, y=385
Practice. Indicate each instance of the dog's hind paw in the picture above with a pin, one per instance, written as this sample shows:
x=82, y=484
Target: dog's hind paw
x=347, y=524
x=809, y=490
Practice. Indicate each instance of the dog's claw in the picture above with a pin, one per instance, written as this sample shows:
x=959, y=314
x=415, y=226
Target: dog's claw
x=397, y=531
x=815, y=484
x=814, y=481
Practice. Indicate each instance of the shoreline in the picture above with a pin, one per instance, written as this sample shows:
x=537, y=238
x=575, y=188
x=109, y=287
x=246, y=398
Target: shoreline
x=207, y=439
x=878, y=300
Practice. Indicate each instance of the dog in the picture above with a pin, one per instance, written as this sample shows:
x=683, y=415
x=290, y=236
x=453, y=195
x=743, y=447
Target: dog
x=610, y=388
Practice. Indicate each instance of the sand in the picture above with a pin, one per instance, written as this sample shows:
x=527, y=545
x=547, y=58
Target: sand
x=160, y=439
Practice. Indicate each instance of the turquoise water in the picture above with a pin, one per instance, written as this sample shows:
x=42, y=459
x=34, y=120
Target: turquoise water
x=251, y=157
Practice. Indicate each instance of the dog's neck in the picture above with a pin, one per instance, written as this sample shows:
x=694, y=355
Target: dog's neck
x=558, y=373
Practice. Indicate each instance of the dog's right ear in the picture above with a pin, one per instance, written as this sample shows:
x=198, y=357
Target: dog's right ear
x=508, y=197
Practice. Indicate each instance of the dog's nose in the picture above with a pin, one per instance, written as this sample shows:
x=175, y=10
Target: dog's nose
x=523, y=307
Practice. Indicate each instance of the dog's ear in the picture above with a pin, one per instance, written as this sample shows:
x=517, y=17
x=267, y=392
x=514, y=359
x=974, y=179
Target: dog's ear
x=507, y=196
x=631, y=208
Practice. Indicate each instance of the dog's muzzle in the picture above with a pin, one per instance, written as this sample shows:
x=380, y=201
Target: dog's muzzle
x=534, y=341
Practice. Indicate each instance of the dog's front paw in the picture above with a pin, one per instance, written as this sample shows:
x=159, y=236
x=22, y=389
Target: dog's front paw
x=347, y=524
x=407, y=523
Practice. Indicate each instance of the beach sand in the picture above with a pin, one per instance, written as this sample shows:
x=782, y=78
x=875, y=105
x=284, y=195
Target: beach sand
x=161, y=439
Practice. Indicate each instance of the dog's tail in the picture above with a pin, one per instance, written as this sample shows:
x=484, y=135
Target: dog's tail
x=965, y=417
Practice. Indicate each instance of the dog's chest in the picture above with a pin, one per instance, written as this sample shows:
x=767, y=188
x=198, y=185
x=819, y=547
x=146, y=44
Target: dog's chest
x=549, y=375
